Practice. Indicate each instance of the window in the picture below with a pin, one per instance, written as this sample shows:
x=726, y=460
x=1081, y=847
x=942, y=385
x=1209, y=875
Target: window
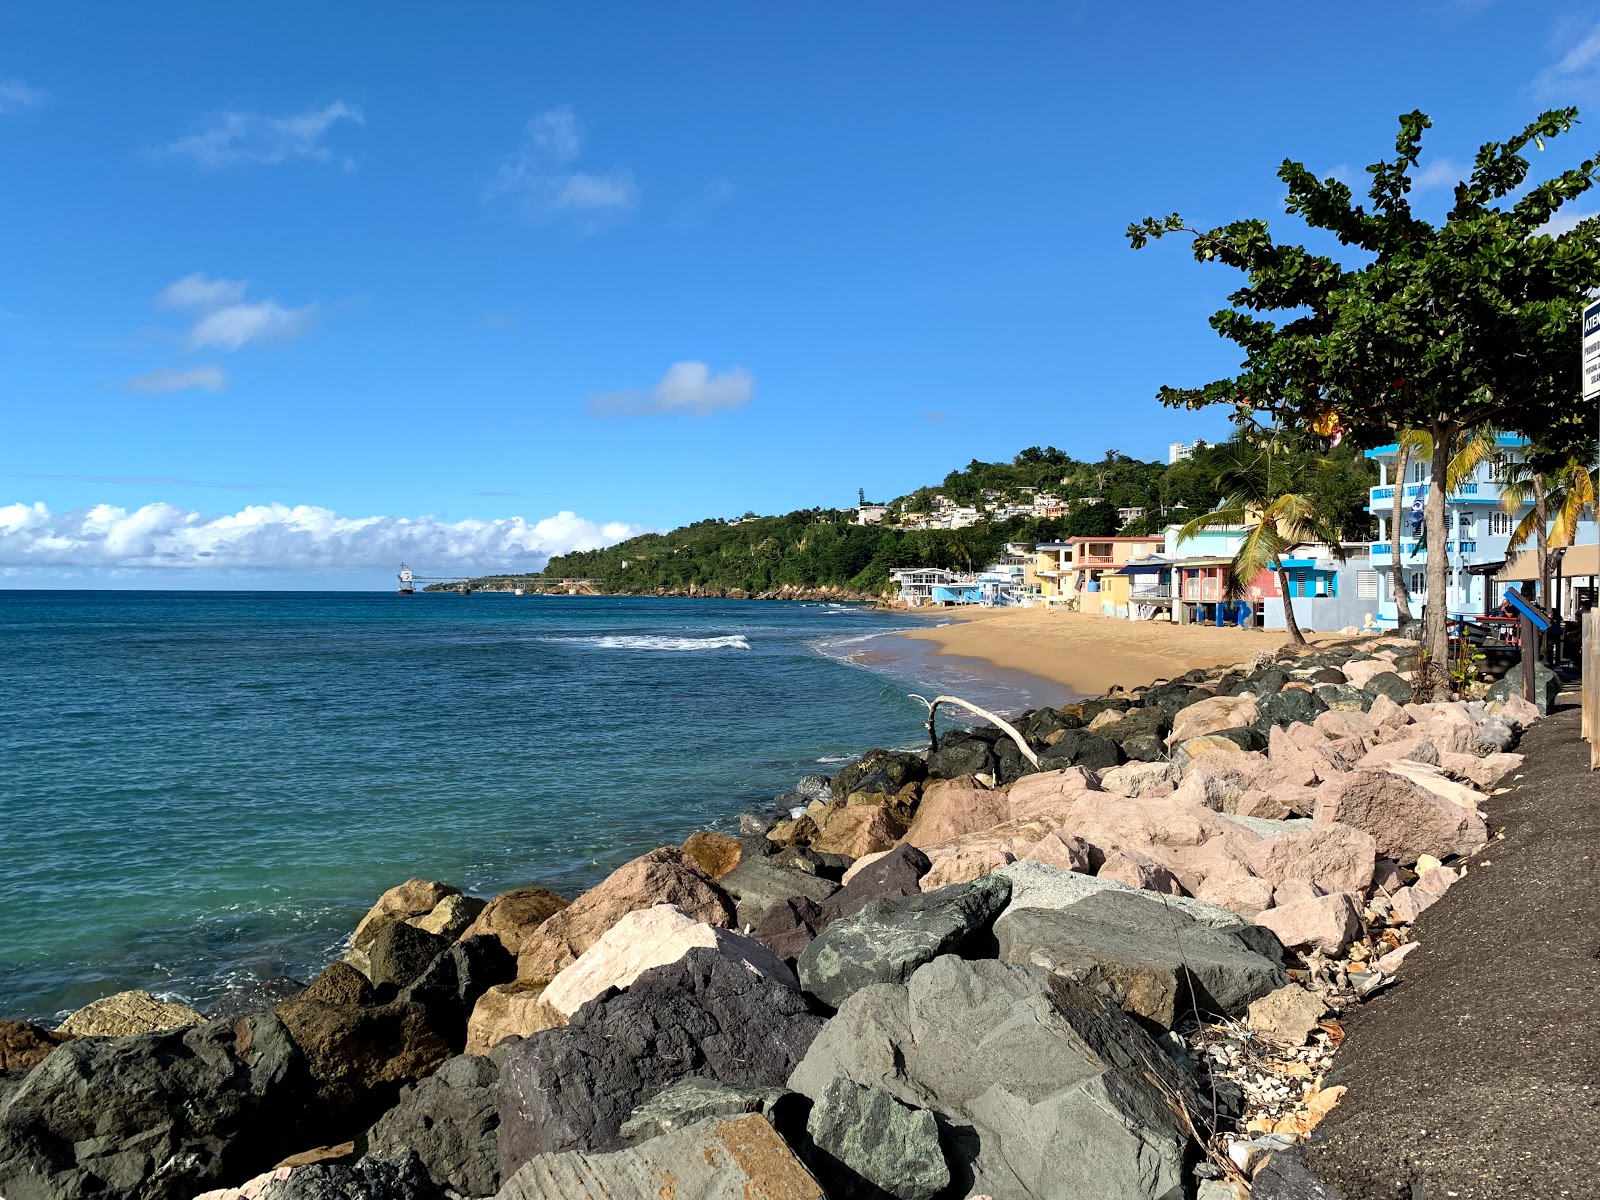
x=1498, y=466
x=1367, y=585
x=1420, y=471
x=1499, y=524
x=1465, y=524
x=1418, y=583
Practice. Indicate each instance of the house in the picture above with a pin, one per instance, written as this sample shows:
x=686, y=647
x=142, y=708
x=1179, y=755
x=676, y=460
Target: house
x=1177, y=452
x=1479, y=530
x=1072, y=571
x=1130, y=513
x=922, y=587
x=871, y=514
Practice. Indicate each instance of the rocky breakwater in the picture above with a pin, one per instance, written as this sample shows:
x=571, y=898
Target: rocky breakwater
x=1116, y=974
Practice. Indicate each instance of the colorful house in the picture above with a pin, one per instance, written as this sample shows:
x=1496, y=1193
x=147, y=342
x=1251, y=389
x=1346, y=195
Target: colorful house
x=1082, y=571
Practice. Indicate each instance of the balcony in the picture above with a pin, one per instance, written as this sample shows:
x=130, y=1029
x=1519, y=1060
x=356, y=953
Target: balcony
x=1148, y=592
x=1477, y=492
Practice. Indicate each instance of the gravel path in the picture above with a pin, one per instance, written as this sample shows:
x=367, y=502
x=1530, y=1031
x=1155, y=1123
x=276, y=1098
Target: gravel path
x=1478, y=1075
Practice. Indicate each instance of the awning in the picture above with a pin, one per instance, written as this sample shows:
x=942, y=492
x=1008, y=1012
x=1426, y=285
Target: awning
x=1576, y=562
x=1143, y=567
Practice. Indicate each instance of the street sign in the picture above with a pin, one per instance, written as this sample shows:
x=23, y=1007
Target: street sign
x=1591, y=350
x=1528, y=609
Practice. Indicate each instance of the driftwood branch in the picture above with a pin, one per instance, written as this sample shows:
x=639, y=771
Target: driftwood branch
x=1011, y=730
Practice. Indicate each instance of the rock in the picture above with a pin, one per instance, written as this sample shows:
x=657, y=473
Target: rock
x=1405, y=818
x=128, y=1013
x=572, y=1088
x=1359, y=671
x=756, y=887
x=453, y=983
x=154, y=1116
x=1337, y=858
x=1136, y=725
x=948, y=812
x=399, y=952
x=1387, y=683
x=506, y=1010
x=1342, y=697
x=1155, y=962
x=1415, y=749
x=653, y=937
x=1138, y=871
x=1486, y=773
x=1288, y=1015
x=788, y=926
x=402, y=1177
x=1291, y=706
x=1065, y=1095
x=1079, y=748
x=889, y=939
x=451, y=917
x=741, y=1158
x=451, y=1120
x=1136, y=779
x=24, y=1046
x=339, y=983
x=963, y=864
x=896, y=873
x=865, y=1143
x=860, y=865
x=413, y=898
x=1212, y=716
x=882, y=772
x=1387, y=713
x=1546, y=687
x=693, y=1100
x=1065, y=851
x=358, y=1056
x=1326, y=923
x=1517, y=712
x=662, y=876
x=1336, y=724
x=1493, y=736
x=1184, y=753
x=512, y=916
x=714, y=853
x=961, y=754
x=858, y=829
x=1244, y=894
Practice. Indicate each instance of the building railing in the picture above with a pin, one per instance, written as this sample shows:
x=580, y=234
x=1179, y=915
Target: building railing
x=1203, y=589
x=1152, y=591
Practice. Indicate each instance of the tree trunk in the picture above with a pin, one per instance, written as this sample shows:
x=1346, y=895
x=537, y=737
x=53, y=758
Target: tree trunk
x=1541, y=542
x=1295, y=636
x=1436, y=630
x=1402, y=594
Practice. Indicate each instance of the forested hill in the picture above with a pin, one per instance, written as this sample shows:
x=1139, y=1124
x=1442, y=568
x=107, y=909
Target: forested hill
x=815, y=549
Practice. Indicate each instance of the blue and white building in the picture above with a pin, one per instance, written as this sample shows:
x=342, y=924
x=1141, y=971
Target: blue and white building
x=1479, y=530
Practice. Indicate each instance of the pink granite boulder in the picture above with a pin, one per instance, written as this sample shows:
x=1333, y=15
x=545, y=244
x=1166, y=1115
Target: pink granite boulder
x=1327, y=923
x=1336, y=857
x=1406, y=819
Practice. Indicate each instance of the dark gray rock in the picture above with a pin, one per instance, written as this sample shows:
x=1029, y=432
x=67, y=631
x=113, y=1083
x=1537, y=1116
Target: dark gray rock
x=1249, y=738
x=1546, y=686
x=1155, y=961
x=1289, y=706
x=1387, y=683
x=1492, y=736
x=815, y=787
x=401, y=1177
x=1090, y=709
x=756, y=886
x=812, y=862
x=1268, y=682
x=1079, y=748
x=452, y=983
x=1345, y=697
x=451, y=1120
x=1137, y=723
x=1144, y=747
x=1012, y=766
x=866, y=1145
x=702, y=1016
x=889, y=939
x=789, y=925
x=898, y=873
x=401, y=952
x=1059, y=1092
x=1329, y=675
x=693, y=1100
x=1043, y=722
x=961, y=753
x=158, y=1116
x=882, y=772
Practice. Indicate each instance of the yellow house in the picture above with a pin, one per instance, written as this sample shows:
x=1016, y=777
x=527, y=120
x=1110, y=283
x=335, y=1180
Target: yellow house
x=1081, y=572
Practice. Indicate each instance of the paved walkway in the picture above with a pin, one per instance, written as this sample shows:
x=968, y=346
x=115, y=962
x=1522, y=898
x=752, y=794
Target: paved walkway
x=1478, y=1075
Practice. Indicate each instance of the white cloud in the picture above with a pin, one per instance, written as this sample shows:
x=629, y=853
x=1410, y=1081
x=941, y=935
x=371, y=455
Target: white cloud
x=164, y=381
x=264, y=320
x=689, y=388
x=14, y=95
x=543, y=177
x=226, y=318
x=1564, y=222
x=1576, y=73
x=255, y=139
x=278, y=537
x=1439, y=173
x=200, y=291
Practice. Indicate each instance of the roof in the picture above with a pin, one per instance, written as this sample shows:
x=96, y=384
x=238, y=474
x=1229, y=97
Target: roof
x=1393, y=448
x=1576, y=562
x=1143, y=537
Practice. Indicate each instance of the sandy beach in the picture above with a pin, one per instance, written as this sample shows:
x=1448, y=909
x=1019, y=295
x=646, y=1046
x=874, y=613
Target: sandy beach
x=1090, y=654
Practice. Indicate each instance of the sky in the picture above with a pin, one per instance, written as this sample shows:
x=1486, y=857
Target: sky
x=290, y=293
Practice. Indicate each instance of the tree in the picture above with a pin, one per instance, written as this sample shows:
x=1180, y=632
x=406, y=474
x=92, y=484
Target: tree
x=1472, y=322
x=1259, y=492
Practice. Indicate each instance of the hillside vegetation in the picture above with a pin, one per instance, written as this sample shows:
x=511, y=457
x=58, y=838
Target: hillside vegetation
x=821, y=548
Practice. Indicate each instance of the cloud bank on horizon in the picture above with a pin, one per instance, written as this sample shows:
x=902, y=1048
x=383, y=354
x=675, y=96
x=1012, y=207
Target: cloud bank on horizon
x=265, y=538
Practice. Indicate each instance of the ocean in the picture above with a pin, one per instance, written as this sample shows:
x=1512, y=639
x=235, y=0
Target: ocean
x=202, y=792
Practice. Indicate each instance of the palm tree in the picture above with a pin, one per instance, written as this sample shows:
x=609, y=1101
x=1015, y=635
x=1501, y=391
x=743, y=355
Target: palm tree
x=1258, y=483
x=1559, y=497
x=1473, y=447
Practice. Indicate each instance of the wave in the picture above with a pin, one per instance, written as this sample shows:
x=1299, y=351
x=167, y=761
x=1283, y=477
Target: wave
x=661, y=642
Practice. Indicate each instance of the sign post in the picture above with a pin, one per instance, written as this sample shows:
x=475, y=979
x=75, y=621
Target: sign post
x=1591, y=350
x=1590, y=652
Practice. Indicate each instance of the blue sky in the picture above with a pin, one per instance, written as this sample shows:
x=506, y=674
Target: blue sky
x=287, y=294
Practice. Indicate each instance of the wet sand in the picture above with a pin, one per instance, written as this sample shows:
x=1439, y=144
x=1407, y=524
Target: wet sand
x=1089, y=654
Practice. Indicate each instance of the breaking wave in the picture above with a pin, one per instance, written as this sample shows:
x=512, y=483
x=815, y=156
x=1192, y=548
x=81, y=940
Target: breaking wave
x=659, y=642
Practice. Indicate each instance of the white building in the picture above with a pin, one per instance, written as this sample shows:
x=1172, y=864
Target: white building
x=1177, y=452
x=871, y=514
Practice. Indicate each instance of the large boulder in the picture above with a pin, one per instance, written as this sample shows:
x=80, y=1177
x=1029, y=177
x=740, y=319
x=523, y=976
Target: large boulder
x=1141, y=778
x=572, y=1088
x=662, y=876
x=400, y=952
x=1063, y=1093
x=756, y=886
x=154, y=1116
x=1546, y=687
x=513, y=916
x=401, y=1177
x=878, y=773
x=692, y=1100
x=24, y=1046
x=889, y=939
x=1291, y=706
x=866, y=1145
x=413, y=898
x=647, y=938
x=127, y=1013
x=507, y=1010
x=451, y=917
x=1406, y=819
x=451, y=1120
x=1213, y=715
x=1335, y=857
x=895, y=873
x=949, y=811
x=738, y=1158
x=960, y=753
x=1325, y=923
x=1080, y=748
x=714, y=853
x=856, y=829
x=1390, y=684
x=451, y=985
x=1154, y=961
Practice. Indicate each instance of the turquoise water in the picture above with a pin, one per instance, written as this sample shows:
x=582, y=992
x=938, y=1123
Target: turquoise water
x=203, y=791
